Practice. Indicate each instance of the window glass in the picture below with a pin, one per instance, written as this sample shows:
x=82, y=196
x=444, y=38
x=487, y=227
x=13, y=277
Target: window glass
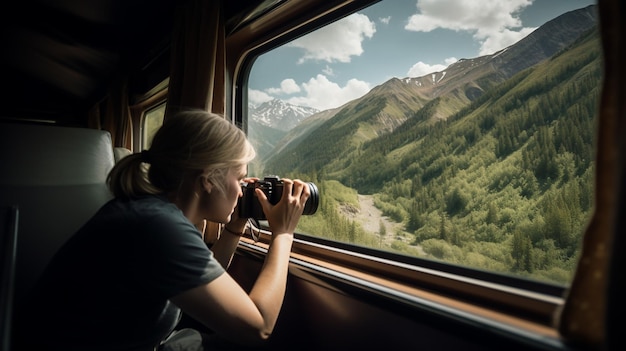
x=153, y=120
x=462, y=136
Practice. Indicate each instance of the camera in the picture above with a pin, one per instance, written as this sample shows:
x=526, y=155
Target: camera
x=250, y=207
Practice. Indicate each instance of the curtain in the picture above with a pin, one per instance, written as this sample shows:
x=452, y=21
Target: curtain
x=197, y=58
x=113, y=114
x=197, y=67
x=594, y=302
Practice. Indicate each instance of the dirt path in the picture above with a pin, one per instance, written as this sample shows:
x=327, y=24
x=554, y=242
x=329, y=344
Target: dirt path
x=370, y=218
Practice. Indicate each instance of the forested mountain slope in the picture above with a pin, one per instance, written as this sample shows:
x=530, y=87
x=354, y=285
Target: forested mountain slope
x=500, y=178
x=387, y=106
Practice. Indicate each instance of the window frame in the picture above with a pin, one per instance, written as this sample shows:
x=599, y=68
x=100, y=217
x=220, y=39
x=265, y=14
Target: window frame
x=521, y=301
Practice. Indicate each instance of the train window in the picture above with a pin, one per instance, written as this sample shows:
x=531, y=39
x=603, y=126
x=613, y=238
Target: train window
x=153, y=120
x=465, y=137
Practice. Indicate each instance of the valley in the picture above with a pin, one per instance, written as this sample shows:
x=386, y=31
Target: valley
x=489, y=165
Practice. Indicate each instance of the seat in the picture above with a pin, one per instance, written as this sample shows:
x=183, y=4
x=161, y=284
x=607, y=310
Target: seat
x=57, y=178
x=120, y=152
x=8, y=241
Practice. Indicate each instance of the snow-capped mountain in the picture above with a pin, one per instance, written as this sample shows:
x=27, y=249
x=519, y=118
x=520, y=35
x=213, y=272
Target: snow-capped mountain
x=279, y=114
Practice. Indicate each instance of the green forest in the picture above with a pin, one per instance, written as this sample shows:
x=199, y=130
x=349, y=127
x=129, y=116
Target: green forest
x=505, y=183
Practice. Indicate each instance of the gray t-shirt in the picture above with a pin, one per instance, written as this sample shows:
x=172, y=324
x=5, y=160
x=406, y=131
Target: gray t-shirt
x=109, y=285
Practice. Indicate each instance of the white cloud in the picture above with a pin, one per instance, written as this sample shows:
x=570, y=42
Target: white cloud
x=287, y=86
x=328, y=71
x=385, y=20
x=257, y=97
x=501, y=40
x=324, y=94
x=421, y=69
x=492, y=22
x=338, y=41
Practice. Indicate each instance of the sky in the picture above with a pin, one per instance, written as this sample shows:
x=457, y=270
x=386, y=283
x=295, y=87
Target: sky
x=393, y=38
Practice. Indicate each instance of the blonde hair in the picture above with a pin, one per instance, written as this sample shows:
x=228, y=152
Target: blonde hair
x=189, y=143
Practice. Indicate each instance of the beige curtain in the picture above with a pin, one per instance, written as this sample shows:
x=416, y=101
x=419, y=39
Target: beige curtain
x=197, y=67
x=197, y=58
x=113, y=114
x=593, y=303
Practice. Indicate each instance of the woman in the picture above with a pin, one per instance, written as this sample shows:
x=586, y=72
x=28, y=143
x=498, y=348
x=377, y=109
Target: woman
x=120, y=282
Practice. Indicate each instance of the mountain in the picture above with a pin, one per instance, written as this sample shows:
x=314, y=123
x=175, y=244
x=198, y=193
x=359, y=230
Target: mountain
x=280, y=115
x=304, y=129
x=263, y=138
x=488, y=163
x=546, y=41
x=468, y=78
x=333, y=142
x=268, y=124
x=270, y=141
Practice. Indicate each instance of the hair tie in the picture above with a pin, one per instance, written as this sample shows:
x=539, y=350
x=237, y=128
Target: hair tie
x=146, y=156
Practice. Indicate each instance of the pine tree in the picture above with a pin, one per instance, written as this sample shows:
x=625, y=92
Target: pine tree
x=522, y=252
x=492, y=214
x=443, y=234
x=382, y=231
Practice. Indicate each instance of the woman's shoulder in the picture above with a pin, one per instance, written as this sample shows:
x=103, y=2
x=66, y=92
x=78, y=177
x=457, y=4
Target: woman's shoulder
x=151, y=212
x=158, y=214
x=145, y=205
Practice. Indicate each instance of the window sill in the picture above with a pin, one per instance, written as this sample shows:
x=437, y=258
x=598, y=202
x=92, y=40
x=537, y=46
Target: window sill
x=512, y=312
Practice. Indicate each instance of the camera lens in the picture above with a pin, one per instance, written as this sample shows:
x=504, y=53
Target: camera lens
x=310, y=207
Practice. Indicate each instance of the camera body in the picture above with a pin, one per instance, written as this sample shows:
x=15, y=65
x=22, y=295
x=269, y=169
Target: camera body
x=250, y=207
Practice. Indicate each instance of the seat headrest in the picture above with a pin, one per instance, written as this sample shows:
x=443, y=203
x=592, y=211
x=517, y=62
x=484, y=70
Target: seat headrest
x=120, y=153
x=37, y=155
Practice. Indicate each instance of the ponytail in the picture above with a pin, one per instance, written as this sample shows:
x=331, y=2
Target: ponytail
x=128, y=178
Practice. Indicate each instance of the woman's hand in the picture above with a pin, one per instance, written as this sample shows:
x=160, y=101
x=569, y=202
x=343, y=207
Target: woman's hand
x=236, y=222
x=283, y=217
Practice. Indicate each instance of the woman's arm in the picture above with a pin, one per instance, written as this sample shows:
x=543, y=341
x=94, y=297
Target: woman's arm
x=228, y=240
x=223, y=306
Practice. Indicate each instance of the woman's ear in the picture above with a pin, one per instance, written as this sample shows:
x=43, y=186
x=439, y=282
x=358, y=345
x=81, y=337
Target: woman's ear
x=206, y=184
